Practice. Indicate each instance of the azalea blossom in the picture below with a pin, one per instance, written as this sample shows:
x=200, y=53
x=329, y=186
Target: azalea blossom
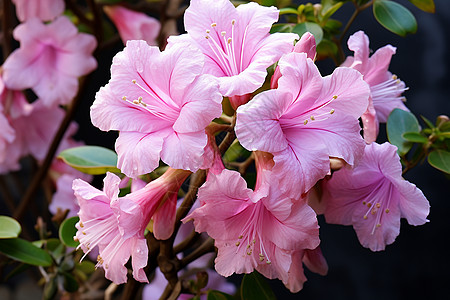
x=373, y=196
x=236, y=43
x=385, y=89
x=133, y=25
x=116, y=225
x=261, y=230
x=45, y=10
x=161, y=104
x=305, y=121
x=50, y=59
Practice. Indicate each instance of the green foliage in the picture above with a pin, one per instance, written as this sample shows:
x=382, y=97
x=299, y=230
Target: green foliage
x=400, y=122
x=90, y=159
x=9, y=228
x=67, y=232
x=415, y=137
x=255, y=287
x=24, y=251
x=394, y=17
x=311, y=27
x=218, y=295
x=440, y=159
x=425, y=5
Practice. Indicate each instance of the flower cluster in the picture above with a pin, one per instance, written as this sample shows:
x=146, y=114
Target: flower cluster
x=164, y=105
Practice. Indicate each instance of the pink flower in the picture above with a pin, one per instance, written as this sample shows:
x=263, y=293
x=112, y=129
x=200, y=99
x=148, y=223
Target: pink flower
x=236, y=42
x=116, y=225
x=45, y=10
x=50, y=59
x=259, y=230
x=385, y=89
x=133, y=25
x=373, y=197
x=161, y=104
x=305, y=121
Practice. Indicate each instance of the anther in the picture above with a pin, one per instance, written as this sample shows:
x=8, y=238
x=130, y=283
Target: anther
x=223, y=33
x=334, y=97
x=378, y=205
x=312, y=118
x=369, y=204
x=83, y=232
x=240, y=237
x=208, y=31
x=365, y=217
x=81, y=225
x=133, y=81
x=387, y=210
x=364, y=202
x=394, y=77
x=332, y=111
x=306, y=122
x=124, y=98
x=237, y=244
x=233, y=22
x=75, y=239
x=135, y=101
x=229, y=41
x=213, y=24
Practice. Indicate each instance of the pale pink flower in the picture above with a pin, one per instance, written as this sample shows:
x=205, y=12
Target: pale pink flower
x=373, y=197
x=161, y=104
x=45, y=10
x=116, y=225
x=385, y=89
x=133, y=25
x=50, y=59
x=305, y=121
x=236, y=42
x=7, y=133
x=259, y=230
x=306, y=44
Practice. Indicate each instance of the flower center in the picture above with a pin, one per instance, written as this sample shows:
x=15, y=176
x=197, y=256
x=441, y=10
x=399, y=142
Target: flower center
x=389, y=90
x=376, y=209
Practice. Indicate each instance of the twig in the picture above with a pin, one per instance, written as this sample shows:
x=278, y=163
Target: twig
x=206, y=247
x=186, y=243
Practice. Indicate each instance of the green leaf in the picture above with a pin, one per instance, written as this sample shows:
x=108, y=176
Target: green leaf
x=24, y=251
x=400, y=122
x=415, y=137
x=440, y=159
x=235, y=151
x=328, y=11
x=288, y=10
x=90, y=159
x=56, y=249
x=311, y=27
x=425, y=5
x=67, y=231
x=70, y=283
x=218, y=295
x=286, y=28
x=394, y=17
x=9, y=228
x=427, y=122
x=50, y=288
x=255, y=287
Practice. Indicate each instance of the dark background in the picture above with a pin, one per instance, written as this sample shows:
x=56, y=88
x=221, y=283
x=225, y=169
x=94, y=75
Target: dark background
x=415, y=266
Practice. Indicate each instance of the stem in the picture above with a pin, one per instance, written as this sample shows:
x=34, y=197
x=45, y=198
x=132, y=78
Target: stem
x=42, y=171
x=189, y=241
x=97, y=23
x=206, y=247
x=358, y=9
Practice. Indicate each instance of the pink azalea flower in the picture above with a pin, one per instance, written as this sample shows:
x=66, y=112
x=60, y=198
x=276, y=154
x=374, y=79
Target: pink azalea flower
x=236, y=43
x=306, y=44
x=385, y=89
x=305, y=121
x=45, y=10
x=116, y=225
x=133, y=25
x=373, y=197
x=255, y=230
x=50, y=59
x=161, y=104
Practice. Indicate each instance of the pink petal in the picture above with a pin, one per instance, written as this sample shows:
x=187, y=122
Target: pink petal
x=164, y=218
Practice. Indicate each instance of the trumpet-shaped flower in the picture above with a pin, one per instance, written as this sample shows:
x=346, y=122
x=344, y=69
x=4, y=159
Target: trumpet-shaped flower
x=385, y=89
x=161, y=104
x=235, y=41
x=255, y=230
x=305, y=121
x=45, y=10
x=133, y=25
x=116, y=225
x=373, y=197
x=50, y=59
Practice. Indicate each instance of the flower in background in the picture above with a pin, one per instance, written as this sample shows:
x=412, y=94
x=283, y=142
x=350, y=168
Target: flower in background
x=45, y=10
x=373, y=196
x=50, y=59
x=385, y=89
x=133, y=25
x=305, y=121
x=161, y=103
x=236, y=42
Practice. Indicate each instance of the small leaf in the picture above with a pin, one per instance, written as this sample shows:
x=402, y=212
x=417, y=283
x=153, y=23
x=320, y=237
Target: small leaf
x=427, y=122
x=440, y=159
x=67, y=231
x=415, y=137
x=255, y=287
x=400, y=122
x=394, y=17
x=56, y=249
x=24, y=251
x=70, y=283
x=311, y=27
x=425, y=5
x=218, y=295
x=288, y=10
x=9, y=228
x=328, y=11
x=90, y=159
x=50, y=288
x=286, y=28
x=235, y=151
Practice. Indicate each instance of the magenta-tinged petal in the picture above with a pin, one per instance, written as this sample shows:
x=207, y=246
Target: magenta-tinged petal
x=413, y=204
x=359, y=43
x=164, y=218
x=315, y=261
x=139, y=257
x=63, y=198
x=241, y=263
x=370, y=123
x=296, y=277
x=138, y=153
x=45, y=10
x=260, y=118
x=306, y=44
